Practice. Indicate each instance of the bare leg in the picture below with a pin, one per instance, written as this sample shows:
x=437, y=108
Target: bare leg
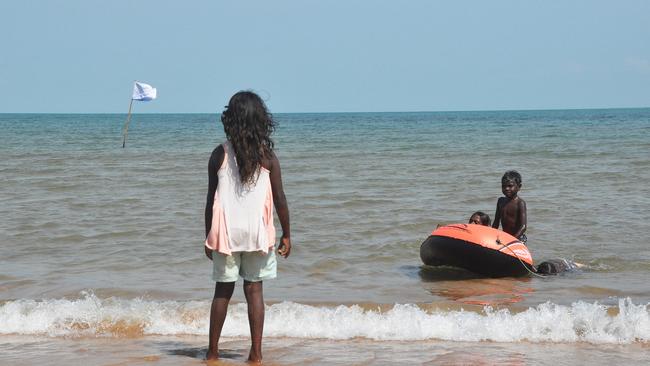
x=255, y=299
x=222, y=294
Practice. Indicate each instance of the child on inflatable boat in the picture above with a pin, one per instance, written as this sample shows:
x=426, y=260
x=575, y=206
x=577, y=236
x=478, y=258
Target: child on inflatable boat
x=511, y=209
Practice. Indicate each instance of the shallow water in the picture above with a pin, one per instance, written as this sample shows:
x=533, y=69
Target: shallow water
x=101, y=244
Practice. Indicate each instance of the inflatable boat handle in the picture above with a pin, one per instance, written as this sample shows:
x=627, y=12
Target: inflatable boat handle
x=498, y=241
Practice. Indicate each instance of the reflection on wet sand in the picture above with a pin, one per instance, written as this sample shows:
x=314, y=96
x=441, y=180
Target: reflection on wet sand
x=465, y=358
x=469, y=288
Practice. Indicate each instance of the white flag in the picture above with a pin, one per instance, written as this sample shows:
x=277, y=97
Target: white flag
x=143, y=92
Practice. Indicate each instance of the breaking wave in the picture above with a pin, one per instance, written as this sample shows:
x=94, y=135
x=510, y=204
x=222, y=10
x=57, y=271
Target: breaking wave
x=115, y=317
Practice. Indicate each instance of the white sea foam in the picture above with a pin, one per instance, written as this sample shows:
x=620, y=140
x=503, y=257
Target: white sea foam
x=91, y=316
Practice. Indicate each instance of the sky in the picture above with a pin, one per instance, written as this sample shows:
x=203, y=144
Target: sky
x=82, y=56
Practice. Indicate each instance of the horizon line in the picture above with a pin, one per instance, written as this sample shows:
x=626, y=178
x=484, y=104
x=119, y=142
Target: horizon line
x=364, y=112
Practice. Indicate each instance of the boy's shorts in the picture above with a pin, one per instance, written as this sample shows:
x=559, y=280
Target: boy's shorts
x=251, y=266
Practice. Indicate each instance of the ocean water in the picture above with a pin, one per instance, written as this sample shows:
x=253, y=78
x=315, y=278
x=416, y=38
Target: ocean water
x=101, y=252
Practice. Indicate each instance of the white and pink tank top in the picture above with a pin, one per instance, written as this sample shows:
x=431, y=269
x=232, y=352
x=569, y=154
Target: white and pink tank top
x=242, y=215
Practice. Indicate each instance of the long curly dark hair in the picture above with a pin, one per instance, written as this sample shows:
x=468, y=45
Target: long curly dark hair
x=248, y=126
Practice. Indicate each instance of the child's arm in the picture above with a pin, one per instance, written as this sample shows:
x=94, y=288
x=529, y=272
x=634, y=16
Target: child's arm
x=216, y=159
x=521, y=219
x=281, y=206
x=497, y=216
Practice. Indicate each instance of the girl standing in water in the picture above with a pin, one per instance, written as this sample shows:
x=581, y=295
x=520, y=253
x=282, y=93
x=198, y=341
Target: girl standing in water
x=245, y=183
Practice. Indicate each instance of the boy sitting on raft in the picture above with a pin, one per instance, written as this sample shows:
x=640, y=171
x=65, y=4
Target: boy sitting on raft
x=511, y=209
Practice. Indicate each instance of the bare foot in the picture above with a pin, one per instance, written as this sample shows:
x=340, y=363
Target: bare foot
x=255, y=356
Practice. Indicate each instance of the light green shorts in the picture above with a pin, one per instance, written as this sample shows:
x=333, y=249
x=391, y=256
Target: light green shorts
x=251, y=266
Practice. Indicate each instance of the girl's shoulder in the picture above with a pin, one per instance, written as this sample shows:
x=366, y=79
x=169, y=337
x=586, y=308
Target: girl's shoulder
x=270, y=161
x=218, y=149
x=217, y=156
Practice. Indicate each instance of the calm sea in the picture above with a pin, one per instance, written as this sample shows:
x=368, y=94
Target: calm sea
x=101, y=248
